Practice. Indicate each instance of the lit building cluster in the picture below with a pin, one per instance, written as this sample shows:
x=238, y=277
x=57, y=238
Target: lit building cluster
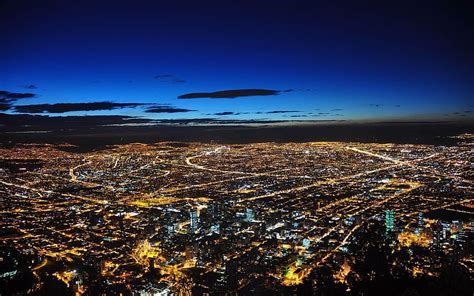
x=191, y=218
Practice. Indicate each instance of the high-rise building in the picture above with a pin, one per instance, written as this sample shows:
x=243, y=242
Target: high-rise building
x=306, y=243
x=421, y=220
x=420, y=223
x=249, y=215
x=389, y=221
x=170, y=229
x=215, y=229
x=194, y=219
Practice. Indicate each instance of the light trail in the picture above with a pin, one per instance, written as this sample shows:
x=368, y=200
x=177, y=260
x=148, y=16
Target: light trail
x=384, y=157
x=40, y=265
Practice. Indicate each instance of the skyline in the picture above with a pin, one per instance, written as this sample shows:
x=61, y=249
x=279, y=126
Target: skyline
x=259, y=62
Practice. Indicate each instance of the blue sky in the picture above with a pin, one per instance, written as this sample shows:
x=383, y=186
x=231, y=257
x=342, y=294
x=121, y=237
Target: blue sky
x=374, y=62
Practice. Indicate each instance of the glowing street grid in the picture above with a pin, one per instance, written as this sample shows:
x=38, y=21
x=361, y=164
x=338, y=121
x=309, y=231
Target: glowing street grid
x=171, y=216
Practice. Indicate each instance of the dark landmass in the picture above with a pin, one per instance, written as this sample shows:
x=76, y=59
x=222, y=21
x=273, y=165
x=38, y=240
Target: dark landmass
x=97, y=132
x=95, y=137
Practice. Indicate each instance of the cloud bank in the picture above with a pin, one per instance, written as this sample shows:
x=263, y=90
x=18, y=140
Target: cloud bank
x=71, y=107
x=167, y=109
x=7, y=98
x=231, y=94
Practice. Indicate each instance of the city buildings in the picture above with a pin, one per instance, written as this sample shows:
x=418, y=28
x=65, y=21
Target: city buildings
x=191, y=218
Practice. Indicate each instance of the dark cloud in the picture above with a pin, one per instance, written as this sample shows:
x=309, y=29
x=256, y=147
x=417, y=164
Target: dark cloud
x=166, y=109
x=164, y=76
x=28, y=122
x=336, y=110
x=298, y=90
x=231, y=94
x=71, y=107
x=215, y=121
x=376, y=105
x=21, y=122
x=225, y=113
x=7, y=97
x=29, y=86
x=5, y=106
x=169, y=78
x=463, y=113
x=282, y=111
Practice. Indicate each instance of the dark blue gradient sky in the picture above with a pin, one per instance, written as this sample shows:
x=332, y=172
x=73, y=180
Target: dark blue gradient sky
x=367, y=60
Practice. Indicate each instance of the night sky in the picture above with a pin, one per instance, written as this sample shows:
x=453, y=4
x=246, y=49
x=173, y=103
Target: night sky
x=238, y=60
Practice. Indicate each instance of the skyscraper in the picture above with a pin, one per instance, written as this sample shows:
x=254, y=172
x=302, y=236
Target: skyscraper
x=193, y=215
x=249, y=215
x=389, y=221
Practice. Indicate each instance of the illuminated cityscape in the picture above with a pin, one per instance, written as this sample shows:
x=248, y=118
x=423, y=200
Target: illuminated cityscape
x=193, y=218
